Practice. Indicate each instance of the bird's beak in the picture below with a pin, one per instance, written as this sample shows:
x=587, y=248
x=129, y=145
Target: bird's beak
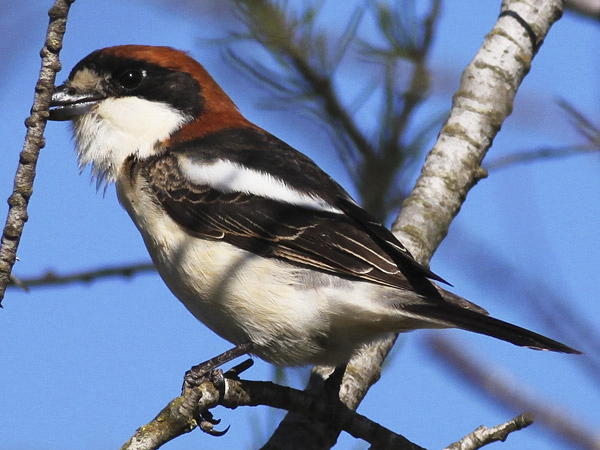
x=67, y=103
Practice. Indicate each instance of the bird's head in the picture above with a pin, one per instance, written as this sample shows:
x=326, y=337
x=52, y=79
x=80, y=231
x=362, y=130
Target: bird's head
x=134, y=99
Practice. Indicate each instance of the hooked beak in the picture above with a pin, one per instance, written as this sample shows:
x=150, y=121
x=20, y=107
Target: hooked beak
x=68, y=104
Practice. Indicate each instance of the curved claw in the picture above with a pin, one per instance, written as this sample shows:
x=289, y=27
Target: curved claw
x=208, y=428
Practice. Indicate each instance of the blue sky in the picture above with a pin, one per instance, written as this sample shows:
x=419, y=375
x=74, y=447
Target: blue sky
x=83, y=366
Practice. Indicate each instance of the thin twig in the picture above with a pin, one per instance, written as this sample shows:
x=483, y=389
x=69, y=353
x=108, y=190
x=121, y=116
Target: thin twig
x=496, y=384
x=484, y=435
x=51, y=278
x=539, y=155
x=34, y=142
x=585, y=8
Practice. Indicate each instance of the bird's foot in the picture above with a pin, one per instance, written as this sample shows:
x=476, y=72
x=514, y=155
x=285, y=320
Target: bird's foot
x=197, y=374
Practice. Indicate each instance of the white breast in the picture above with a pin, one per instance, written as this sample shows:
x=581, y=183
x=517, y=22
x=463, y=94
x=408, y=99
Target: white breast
x=240, y=296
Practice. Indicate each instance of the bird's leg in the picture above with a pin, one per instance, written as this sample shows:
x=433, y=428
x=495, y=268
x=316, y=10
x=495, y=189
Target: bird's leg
x=199, y=373
x=209, y=371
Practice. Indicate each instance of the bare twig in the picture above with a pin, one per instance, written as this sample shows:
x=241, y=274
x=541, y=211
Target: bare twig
x=484, y=435
x=182, y=414
x=51, y=278
x=538, y=155
x=484, y=99
x=34, y=141
x=584, y=126
x=585, y=8
x=496, y=384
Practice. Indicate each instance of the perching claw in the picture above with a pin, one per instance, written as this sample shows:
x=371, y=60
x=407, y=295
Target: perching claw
x=196, y=374
x=208, y=422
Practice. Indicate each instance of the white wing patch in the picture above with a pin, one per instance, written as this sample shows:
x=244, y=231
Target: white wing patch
x=228, y=177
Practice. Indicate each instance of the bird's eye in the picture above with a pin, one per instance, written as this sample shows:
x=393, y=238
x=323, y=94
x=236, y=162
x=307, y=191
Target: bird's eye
x=130, y=79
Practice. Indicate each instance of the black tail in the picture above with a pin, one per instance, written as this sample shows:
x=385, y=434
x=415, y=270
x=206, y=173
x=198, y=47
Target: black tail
x=458, y=317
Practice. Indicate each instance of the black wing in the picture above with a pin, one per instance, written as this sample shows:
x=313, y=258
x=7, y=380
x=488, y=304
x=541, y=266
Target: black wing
x=348, y=243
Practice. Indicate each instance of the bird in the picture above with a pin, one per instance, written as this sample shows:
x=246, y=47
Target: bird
x=258, y=242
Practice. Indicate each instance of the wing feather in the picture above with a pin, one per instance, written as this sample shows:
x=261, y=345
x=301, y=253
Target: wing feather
x=343, y=240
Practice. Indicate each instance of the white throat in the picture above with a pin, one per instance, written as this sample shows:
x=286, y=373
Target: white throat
x=119, y=127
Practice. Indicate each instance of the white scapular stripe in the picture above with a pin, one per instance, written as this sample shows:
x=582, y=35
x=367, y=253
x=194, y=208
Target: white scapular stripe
x=227, y=176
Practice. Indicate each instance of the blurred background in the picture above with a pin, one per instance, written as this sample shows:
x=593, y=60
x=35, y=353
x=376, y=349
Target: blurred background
x=83, y=365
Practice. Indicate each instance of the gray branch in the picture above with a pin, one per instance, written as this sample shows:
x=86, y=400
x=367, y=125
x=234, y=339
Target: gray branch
x=483, y=101
x=191, y=409
x=34, y=142
x=484, y=435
